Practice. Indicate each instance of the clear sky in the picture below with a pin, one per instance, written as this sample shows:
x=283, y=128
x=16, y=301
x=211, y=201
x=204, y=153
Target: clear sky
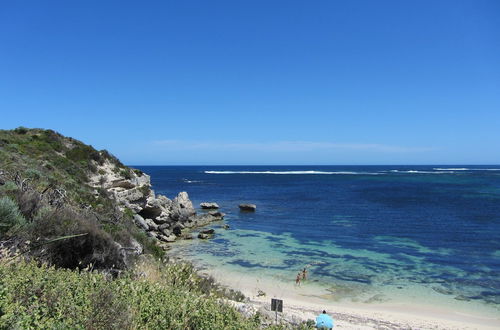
x=258, y=82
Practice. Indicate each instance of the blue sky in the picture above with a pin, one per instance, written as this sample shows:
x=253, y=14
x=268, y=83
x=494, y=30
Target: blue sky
x=258, y=82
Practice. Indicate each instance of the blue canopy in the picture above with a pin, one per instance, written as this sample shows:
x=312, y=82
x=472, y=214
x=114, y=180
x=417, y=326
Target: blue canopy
x=324, y=321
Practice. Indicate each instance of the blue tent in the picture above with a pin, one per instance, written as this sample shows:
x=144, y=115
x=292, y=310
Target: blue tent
x=324, y=321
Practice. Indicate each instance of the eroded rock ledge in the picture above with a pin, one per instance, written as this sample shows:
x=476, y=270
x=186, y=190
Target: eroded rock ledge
x=160, y=217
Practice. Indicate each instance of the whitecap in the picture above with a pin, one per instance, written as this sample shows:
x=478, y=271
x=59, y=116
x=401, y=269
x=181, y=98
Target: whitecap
x=291, y=172
x=467, y=169
x=191, y=181
x=420, y=172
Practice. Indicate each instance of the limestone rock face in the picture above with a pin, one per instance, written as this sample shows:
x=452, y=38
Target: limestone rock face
x=164, y=201
x=248, y=207
x=133, y=195
x=209, y=205
x=126, y=184
x=151, y=224
x=140, y=222
x=182, y=208
x=160, y=217
x=152, y=209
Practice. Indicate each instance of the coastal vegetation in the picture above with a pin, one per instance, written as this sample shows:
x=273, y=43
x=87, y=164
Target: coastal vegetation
x=71, y=258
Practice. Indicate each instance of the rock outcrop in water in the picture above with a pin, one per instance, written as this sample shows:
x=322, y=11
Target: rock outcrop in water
x=248, y=207
x=209, y=205
x=162, y=218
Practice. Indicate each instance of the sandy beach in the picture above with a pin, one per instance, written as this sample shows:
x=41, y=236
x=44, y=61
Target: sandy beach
x=305, y=302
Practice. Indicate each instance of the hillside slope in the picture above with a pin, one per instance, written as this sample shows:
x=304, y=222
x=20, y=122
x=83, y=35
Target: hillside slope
x=62, y=187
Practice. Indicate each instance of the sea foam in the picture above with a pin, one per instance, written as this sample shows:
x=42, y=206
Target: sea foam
x=466, y=169
x=291, y=172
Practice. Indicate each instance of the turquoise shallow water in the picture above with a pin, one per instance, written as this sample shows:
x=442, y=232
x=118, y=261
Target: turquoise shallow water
x=366, y=234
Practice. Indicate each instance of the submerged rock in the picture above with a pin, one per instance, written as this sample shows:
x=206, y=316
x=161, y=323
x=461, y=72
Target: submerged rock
x=203, y=236
x=217, y=214
x=208, y=231
x=248, y=207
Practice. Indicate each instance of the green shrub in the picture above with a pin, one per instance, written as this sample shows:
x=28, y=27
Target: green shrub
x=145, y=190
x=96, y=247
x=33, y=173
x=10, y=217
x=164, y=297
x=126, y=174
x=21, y=130
x=8, y=187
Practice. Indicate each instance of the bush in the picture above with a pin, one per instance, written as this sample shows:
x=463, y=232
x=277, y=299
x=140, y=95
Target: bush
x=126, y=174
x=21, y=130
x=10, y=217
x=33, y=173
x=28, y=202
x=162, y=297
x=96, y=248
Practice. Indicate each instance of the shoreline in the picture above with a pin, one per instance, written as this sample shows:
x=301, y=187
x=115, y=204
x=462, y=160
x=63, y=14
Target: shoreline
x=306, y=303
x=302, y=303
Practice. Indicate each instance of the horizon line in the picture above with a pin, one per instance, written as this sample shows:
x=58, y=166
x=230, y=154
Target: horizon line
x=313, y=165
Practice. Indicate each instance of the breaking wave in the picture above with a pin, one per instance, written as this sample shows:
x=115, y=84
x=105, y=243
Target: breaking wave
x=466, y=169
x=290, y=172
x=420, y=172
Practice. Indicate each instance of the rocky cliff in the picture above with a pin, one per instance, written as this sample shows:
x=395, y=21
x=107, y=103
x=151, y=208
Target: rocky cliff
x=162, y=218
x=54, y=186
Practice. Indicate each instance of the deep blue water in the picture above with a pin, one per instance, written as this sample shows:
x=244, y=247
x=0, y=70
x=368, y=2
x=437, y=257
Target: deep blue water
x=436, y=226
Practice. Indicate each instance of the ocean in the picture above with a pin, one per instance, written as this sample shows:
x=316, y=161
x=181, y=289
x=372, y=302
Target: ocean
x=367, y=234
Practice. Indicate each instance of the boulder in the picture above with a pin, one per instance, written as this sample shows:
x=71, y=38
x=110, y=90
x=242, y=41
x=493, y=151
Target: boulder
x=164, y=229
x=140, y=222
x=183, y=200
x=248, y=207
x=209, y=205
x=182, y=208
x=164, y=201
x=167, y=238
x=163, y=218
x=208, y=231
x=201, y=220
x=152, y=209
x=217, y=214
x=203, y=236
x=187, y=236
x=152, y=234
x=151, y=224
x=136, y=247
x=177, y=231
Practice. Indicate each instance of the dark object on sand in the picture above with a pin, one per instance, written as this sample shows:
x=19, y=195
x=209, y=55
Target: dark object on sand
x=248, y=207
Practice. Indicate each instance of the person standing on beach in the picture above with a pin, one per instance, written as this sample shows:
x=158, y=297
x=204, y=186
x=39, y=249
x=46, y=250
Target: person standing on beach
x=304, y=273
x=297, y=279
